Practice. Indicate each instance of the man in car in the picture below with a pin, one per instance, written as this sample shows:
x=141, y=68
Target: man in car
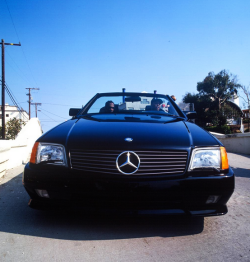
x=156, y=104
x=173, y=97
x=109, y=107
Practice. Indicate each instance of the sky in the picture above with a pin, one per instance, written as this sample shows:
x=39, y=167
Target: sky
x=72, y=50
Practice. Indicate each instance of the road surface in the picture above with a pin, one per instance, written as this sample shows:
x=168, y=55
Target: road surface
x=32, y=235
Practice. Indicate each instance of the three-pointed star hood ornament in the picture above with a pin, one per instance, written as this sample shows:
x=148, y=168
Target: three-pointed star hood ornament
x=128, y=162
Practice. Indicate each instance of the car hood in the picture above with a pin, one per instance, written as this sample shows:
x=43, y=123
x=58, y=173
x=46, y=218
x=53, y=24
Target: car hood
x=89, y=134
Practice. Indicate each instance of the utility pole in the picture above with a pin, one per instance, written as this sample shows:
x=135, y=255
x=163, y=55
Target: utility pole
x=36, y=104
x=29, y=95
x=3, y=85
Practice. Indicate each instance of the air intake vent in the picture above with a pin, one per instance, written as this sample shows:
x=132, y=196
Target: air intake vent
x=151, y=162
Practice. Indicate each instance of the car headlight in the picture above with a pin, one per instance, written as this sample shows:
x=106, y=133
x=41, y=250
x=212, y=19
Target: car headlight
x=209, y=158
x=48, y=154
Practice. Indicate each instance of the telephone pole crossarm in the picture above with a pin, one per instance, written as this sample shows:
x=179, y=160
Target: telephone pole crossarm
x=29, y=94
x=36, y=104
x=13, y=44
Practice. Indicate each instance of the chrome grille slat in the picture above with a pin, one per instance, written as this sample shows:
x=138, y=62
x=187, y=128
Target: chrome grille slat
x=95, y=166
x=100, y=168
x=91, y=160
x=137, y=173
x=91, y=157
x=144, y=171
x=176, y=162
x=151, y=162
x=161, y=155
x=164, y=158
x=161, y=167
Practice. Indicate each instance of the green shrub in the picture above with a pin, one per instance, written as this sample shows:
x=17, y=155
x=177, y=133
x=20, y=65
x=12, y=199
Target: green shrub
x=225, y=129
x=12, y=128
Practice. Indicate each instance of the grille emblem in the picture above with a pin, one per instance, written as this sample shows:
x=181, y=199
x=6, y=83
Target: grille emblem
x=128, y=162
x=128, y=139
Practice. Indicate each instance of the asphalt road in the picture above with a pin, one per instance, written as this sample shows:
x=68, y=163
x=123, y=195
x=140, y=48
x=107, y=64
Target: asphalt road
x=31, y=235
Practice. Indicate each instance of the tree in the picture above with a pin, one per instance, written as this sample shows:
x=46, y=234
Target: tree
x=246, y=92
x=13, y=127
x=204, y=108
x=246, y=99
x=212, y=102
x=220, y=87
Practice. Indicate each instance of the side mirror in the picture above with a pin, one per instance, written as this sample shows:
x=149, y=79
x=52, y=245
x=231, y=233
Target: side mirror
x=74, y=111
x=190, y=114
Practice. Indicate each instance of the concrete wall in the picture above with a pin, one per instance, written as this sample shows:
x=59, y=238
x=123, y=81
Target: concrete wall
x=5, y=147
x=15, y=152
x=235, y=143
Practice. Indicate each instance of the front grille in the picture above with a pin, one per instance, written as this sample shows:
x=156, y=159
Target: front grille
x=151, y=162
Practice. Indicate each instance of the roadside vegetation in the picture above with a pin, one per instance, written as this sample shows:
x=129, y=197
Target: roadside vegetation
x=12, y=128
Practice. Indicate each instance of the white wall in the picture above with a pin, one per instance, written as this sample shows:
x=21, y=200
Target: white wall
x=235, y=143
x=15, y=152
x=5, y=147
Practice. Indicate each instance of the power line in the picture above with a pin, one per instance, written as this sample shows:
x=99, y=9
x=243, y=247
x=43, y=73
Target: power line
x=53, y=114
x=20, y=72
x=12, y=20
x=50, y=121
x=48, y=116
x=14, y=101
x=57, y=104
x=19, y=41
x=6, y=86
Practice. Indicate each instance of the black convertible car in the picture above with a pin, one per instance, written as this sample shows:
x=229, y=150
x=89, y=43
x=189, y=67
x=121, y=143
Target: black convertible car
x=134, y=153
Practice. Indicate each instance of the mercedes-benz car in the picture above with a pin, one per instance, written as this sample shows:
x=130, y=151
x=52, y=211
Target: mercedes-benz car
x=130, y=153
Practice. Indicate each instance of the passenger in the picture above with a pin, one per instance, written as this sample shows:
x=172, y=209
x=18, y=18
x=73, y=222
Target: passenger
x=173, y=97
x=169, y=107
x=156, y=104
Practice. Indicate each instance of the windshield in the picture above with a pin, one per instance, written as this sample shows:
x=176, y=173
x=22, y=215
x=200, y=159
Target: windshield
x=133, y=104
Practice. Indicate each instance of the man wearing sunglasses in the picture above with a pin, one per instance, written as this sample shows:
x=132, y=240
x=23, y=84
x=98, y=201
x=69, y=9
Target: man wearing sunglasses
x=109, y=107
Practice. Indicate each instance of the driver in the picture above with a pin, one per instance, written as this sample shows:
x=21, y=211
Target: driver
x=108, y=108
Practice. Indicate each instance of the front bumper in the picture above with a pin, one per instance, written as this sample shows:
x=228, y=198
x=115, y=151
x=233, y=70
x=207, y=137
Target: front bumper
x=128, y=195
